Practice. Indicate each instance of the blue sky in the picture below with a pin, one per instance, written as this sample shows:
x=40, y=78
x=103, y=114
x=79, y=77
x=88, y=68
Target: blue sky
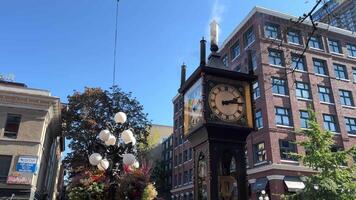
x=65, y=45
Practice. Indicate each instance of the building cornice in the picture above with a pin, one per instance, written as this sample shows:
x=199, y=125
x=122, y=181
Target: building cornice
x=182, y=188
x=34, y=102
x=279, y=167
x=19, y=141
x=281, y=15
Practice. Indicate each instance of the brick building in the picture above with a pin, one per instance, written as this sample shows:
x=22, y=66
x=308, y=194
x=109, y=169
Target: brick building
x=167, y=158
x=270, y=44
x=339, y=13
x=31, y=143
x=182, y=173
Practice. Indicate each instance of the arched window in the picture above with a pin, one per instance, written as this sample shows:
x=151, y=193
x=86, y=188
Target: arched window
x=202, y=173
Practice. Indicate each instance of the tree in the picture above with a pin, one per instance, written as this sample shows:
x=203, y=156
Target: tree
x=334, y=179
x=88, y=113
x=159, y=176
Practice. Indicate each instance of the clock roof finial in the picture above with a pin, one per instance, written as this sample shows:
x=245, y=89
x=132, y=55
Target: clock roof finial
x=183, y=74
x=202, y=52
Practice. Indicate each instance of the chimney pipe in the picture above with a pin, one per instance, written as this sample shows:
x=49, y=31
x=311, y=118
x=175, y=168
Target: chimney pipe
x=202, y=52
x=214, y=36
x=183, y=74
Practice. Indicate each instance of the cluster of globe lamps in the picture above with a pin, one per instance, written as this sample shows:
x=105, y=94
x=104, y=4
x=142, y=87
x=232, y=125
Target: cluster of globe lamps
x=109, y=139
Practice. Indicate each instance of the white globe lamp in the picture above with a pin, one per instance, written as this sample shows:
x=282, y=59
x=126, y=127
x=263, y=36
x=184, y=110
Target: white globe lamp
x=104, y=135
x=111, y=140
x=127, y=136
x=133, y=140
x=128, y=159
x=103, y=164
x=120, y=117
x=95, y=158
x=136, y=165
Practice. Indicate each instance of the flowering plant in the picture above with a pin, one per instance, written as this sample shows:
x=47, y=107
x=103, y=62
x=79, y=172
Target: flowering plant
x=88, y=185
x=134, y=184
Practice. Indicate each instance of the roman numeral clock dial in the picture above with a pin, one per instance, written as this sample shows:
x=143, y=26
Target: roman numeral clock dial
x=226, y=102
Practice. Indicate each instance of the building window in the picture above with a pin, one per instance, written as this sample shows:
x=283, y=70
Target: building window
x=351, y=50
x=180, y=179
x=334, y=46
x=259, y=119
x=340, y=71
x=190, y=153
x=175, y=160
x=235, y=50
x=272, y=31
x=259, y=153
x=330, y=123
x=304, y=117
x=346, y=98
x=298, y=63
x=279, y=86
x=225, y=60
x=180, y=158
x=256, y=90
x=253, y=60
x=5, y=163
x=293, y=36
x=175, y=180
x=191, y=175
x=302, y=90
x=282, y=116
x=185, y=177
x=315, y=42
x=354, y=74
x=12, y=125
x=286, y=148
x=320, y=67
x=249, y=37
x=185, y=155
x=324, y=94
x=350, y=125
x=237, y=68
x=275, y=57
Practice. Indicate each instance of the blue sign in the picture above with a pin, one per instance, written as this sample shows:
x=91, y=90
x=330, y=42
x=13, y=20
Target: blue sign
x=27, y=164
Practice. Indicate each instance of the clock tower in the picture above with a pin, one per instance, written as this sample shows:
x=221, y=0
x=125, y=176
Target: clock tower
x=217, y=120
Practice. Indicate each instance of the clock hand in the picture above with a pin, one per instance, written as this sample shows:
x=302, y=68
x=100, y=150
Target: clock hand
x=233, y=101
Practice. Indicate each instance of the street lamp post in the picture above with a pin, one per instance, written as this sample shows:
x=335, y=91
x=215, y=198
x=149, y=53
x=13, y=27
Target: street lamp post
x=263, y=196
x=111, y=154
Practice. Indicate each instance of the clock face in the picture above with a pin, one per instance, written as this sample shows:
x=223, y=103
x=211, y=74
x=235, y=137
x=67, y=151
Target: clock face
x=226, y=102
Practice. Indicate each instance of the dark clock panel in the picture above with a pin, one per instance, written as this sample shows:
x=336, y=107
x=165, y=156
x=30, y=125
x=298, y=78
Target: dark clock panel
x=213, y=114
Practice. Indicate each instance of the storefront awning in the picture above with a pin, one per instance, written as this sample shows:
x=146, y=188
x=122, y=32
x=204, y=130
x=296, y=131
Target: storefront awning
x=294, y=183
x=260, y=184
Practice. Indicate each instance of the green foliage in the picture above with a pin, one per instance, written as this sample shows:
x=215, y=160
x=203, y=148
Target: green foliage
x=334, y=180
x=158, y=176
x=90, y=112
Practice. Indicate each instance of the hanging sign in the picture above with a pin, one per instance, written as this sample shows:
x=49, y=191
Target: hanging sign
x=27, y=164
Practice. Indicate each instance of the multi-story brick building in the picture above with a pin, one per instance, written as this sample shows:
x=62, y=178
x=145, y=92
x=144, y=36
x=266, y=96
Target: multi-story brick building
x=182, y=173
x=270, y=45
x=31, y=142
x=167, y=158
x=339, y=13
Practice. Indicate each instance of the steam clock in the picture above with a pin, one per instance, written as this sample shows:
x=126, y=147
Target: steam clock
x=217, y=120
